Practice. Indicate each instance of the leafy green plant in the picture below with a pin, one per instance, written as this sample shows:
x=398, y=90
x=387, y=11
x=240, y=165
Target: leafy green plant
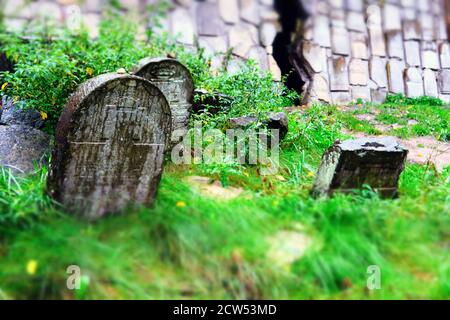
x=48, y=69
x=400, y=99
x=23, y=198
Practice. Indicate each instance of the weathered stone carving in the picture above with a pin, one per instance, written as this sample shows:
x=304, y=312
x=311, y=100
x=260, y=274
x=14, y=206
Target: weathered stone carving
x=175, y=82
x=350, y=165
x=110, y=144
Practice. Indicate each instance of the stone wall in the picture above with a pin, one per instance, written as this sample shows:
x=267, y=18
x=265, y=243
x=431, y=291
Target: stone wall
x=344, y=49
x=358, y=49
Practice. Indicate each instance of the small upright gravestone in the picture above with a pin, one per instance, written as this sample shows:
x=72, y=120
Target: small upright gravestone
x=110, y=144
x=175, y=81
x=350, y=165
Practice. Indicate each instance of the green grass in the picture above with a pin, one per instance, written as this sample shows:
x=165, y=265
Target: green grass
x=418, y=118
x=216, y=249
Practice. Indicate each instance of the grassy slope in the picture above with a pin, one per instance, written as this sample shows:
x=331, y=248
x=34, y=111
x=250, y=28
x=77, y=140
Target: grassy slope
x=214, y=249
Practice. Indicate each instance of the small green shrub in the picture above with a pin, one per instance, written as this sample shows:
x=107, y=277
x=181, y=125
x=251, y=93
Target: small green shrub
x=23, y=199
x=49, y=69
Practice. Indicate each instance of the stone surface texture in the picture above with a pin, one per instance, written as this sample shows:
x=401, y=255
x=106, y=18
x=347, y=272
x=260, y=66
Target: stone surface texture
x=176, y=83
x=353, y=164
x=11, y=113
x=405, y=44
x=413, y=34
x=22, y=148
x=110, y=143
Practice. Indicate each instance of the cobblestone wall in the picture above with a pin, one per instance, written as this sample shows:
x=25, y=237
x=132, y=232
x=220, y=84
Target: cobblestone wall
x=346, y=49
x=365, y=49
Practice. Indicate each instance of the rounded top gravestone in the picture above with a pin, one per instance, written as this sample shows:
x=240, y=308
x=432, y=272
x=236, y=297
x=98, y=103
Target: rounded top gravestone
x=176, y=82
x=110, y=144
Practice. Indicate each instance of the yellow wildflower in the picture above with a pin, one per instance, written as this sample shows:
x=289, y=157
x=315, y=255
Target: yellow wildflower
x=4, y=85
x=44, y=115
x=181, y=204
x=89, y=71
x=311, y=174
x=32, y=267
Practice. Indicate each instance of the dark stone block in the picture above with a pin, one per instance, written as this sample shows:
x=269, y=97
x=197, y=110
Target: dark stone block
x=5, y=63
x=278, y=121
x=11, y=113
x=213, y=103
x=274, y=121
x=348, y=166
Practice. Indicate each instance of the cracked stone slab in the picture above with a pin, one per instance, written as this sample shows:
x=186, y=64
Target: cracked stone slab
x=242, y=38
x=377, y=43
x=430, y=57
x=338, y=68
x=358, y=43
x=378, y=71
x=395, y=70
x=182, y=26
x=250, y=11
x=414, y=83
x=352, y=164
x=392, y=18
x=430, y=83
x=267, y=33
x=358, y=72
x=395, y=44
x=356, y=22
x=321, y=31
x=444, y=81
x=209, y=22
x=229, y=11
x=340, y=41
x=411, y=30
x=444, y=52
x=412, y=52
x=315, y=56
x=320, y=90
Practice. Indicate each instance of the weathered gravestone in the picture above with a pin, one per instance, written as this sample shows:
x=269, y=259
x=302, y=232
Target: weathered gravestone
x=348, y=166
x=176, y=82
x=110, y=144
